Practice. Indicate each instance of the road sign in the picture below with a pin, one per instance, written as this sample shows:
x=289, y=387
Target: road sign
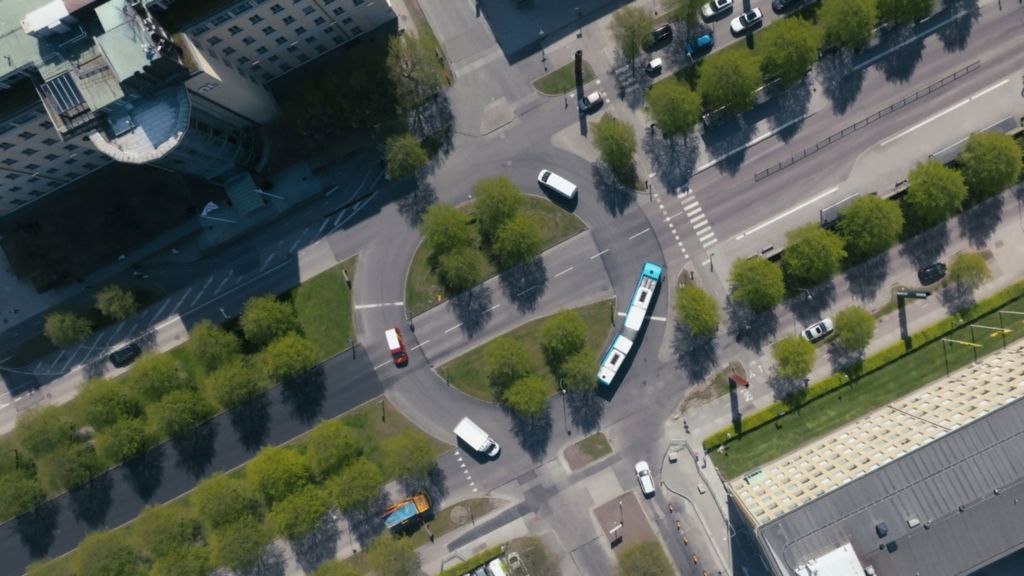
x=920, y=294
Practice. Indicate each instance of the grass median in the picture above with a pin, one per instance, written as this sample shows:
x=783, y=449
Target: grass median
x=562, y=80
x=324, y=307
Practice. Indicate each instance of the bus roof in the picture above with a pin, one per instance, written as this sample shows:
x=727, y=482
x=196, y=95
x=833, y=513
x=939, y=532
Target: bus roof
x=613, y=358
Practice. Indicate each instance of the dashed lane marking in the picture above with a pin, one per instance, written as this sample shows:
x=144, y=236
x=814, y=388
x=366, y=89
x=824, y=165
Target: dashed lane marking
x=564, y=271
x=453, y=328
x=378, y=305
x=382, y=364
x=420, y=345
x=639, y=233
x=492, y=308
x=602, y=252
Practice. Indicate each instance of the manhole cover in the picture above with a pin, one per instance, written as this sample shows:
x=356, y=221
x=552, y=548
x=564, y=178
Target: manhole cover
x=459, y=515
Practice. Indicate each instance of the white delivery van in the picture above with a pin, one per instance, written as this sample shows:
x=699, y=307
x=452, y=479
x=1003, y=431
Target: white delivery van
x=549, y=179
x=478, y=440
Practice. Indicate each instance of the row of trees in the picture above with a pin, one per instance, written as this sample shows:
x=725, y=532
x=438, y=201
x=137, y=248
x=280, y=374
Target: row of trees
x=228, y=520
x=110, y=421
x=114, y=302
x=460, y=244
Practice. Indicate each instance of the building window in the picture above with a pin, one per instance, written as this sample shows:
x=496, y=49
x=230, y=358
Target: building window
x=328, y=2
x=281, y=40
x=319, y=21
x=303, y=57
x=7, y=145
x=256, y=67
x=248, y=40
x=276, y=9
x=46, y=125
x=29, y=151
x=214, y=40
x=357, y=2
x=267, y=76
x=18, y=202
x=285, y=67
x=9, y=161
x=339, y=11
x=310, y=39
x=261, y=50
x=235, y=29
x=70, y=147
x=269, y=30
x=274, y=58
x=320, y=49
x=293, y=49
x=229, y=51
x=288, y=20
x=49, y=141
x=89, y=166
x=220, y=19
x=71, y=161
x=243, y=60
x=32, y=167
x=338, y=40
x=308, y=10
x=51, y=157
x=356, y=30
x=12, y=176
x=26, y=135
x=346, y=21
x=255, y=19
x=300, y=31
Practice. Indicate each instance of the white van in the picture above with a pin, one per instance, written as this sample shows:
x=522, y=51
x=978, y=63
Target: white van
x=549, y=179
x=476, y=438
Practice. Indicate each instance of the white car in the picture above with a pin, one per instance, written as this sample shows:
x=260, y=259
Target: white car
x=746, y=21
x=643, y=475
x=715, y=8
x=818, y=330
x=591, y=101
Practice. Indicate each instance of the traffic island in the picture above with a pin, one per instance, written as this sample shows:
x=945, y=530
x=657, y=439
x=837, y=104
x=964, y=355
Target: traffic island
x=623, y=521
x=586, y=451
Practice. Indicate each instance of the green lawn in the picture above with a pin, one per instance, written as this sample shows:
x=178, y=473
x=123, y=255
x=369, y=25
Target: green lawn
x=562, y=80
x=324, y=307
x=867, y=393
x=467, y=372
x=595, y=446
x=423, y=291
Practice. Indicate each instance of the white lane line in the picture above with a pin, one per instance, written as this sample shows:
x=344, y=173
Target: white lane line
x=182, y=301
x=599, y=254
x=753, y=142
x=878, y=57
x=201, y=290
x=707, y=234
x=710, y=243
x=297, y=240
x=378, y=305
x=59, y=356
x=639, y=233
x=938, y=115
x=324, y=225
x=382, y=364
x=223, y=282
x=161, y=310
x=493, y=308
x=453, y=328
x=691, y=205
x=673, y=216
x=339, y=217
x=787, y=212
x=564, y=271
x=420, y=345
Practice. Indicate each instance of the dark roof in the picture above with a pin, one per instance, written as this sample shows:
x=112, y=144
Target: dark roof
x=964, y=489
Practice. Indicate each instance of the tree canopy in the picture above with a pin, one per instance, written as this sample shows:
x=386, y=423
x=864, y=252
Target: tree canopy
x=756, y=283
x=106, y=554
x=238, y=546
x=698, y=310
x=527, y=397
x=904, y=11
x=265, y=318
x=161, y=530
x=728, y=81
x=631, y=27
x=855, y=327
x=461, y=268
x=403, y=156
x=277, y=473
x=408, y=455
x=179, y=412
x=211, y=345
x=43, y=430
x=222, y=499
x=990, y=163
x=235, y=383
x=812, y=255
x=103, y=402
x=788, y=48
x=674, y=107
x=393, y=556
x=287, y=357
x=153, y=376
x=794, y=357
x=357, y=485
x=414, y=69
x=561, y=336
x=115, y=302
x=299, y=513
x=518, y=240
x=969, y=271
x=330, y=446
x=497, y=201
x=934, y=193
x=616, y=142
x=506, y=361
x=870, y=225
x=123, y=440
x=65, y=328
x=445, y=228
x=848, y=23
x=578, y=371
x=19, y=493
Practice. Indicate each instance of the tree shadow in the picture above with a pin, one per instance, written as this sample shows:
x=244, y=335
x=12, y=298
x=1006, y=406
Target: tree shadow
x=979, y=223
x=956, y=297
x=525, y=284
x=435, y=484
x=196, y=450
x=790, y=391
x=809, y=306
x=320, y=545
x=271, y=563
x=305, y=395
x=749, y=329
x=585, y=409
x=412, y=205
x=37, y=529
x=791, y=105
x=251, y=421
x=613, y=195
x=840, y=358
x=697, y=356
x=630, y=79
x=954, y=35
x=91, y=503
x=533, y=434
x=432, y=120
x=726, y=142
x=672, y=159
x=840, y=83
x=865, y=279
x=473, y=309
x=145, y=472
x=898, y=65
x=366, y=523
x=926, y=247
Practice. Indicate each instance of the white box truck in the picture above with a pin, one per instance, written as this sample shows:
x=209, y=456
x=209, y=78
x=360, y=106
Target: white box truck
x=476, y=438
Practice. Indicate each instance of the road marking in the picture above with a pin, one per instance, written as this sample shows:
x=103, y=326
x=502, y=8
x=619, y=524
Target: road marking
x=696, y=221
x=691, y=205
x=453, y=328
x=521, y=292
x=877, y=57
x=787, y=213
x=564, y=271
x=338, y=217
x=692, y=211
x=673, y=216
x=382, y=364
x=420, y=345
x=707, y=234
x=378, y=305
x=639, y=233
x=324, y=225
x=267, y=263
x=709, y=243
x=297, y=240
x=223, y=282
x=753, y=142
x=495, y=307
x=599, y=253
x=182, y=301
x=938, y=115
x=201, y=290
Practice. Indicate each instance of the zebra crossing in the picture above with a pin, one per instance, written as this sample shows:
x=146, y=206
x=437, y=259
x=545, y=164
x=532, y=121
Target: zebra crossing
x=698, y=219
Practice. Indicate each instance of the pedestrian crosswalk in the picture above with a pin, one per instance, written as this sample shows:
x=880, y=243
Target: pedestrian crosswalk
x=698, y=219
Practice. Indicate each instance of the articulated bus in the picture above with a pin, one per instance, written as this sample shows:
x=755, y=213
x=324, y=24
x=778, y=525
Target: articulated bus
x=623, y=342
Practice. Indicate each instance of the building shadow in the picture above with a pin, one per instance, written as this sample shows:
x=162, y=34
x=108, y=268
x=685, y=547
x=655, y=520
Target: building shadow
x=696, y=356
x=533, y=434
x=979, y=223
x=840, y=83
x=525, y=284
x=749, y=329
x=473, y=309
x=865, y=279
x=304, y=395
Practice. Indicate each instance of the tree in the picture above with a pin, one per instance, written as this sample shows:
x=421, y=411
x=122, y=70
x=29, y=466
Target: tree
x=848, y=23
x=794, y=357
x=115, y=302
x=71, y=467
x=616, y=142
x=788, y=48
x=506, y=361
x=123, y=440
x=698, y=310
x=561, y=336
x=277, y=473
x=337, y=568
x=757, y=283
x=394, y=556
x=264, y=319
x=445, y=228
x=299, y=513
x=163, y=530
x=43, y=430
x=414, y=68
x=179, y=412
x=461, y=268
x=106, y=554
x=287, y=357
x=102, y=403
x=192, y=561
x=855, y=327
x=404, y=156
x=222, y=500
x=969, y=271
x=728, y=81
x=235, y=383
x=238, y=546
x=812, y=255
x=408, y=455
x=990, y=163
x=578, y=371
x=497, y=201
x=934, y=193
x=212, y=346
x=674, y=107
x=330, y=446
x=643, y=559
x=66, y=328
x=631, y=27
x=904, y=11
x=686, y=12
x=155, y=375
x=357, y=485
x=870, y=225
x=527, y=397
x=19, y=493
x=517, y=241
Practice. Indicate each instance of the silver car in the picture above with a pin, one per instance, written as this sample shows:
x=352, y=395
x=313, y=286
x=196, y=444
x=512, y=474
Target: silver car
x=643, y=475
x=818, y=330
x=746, y=21
x=715, y=8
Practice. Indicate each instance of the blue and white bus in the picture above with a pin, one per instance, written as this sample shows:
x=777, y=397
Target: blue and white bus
x=622, y=344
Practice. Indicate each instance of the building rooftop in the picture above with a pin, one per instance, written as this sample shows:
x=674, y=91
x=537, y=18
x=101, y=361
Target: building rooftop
x=18, y=49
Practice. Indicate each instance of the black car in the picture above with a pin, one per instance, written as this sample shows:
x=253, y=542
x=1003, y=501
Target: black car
x=932, y=273
x=662, y=32
x=783, y=5
x=125, y=356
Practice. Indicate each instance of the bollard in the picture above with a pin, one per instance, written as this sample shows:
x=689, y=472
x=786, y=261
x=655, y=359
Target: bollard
x=694, y=558
x=686, y=540
x=670, y=507
x=679, y=526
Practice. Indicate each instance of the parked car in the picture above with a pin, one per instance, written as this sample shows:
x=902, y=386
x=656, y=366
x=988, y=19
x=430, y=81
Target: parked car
x=715, y=8
x=662, y=32
x=700, y=45
x=643, y=475
x=782, y=5
x=746, y=21
x=818, y=330
x=932, y=273
x=591, y=101
x=125, y=356
x=654, y=67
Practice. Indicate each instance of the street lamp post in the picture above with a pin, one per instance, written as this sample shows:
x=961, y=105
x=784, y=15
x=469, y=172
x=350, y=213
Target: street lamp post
x=383, y=413
x=17, y=459
x=543, y=56
x=565, y=410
